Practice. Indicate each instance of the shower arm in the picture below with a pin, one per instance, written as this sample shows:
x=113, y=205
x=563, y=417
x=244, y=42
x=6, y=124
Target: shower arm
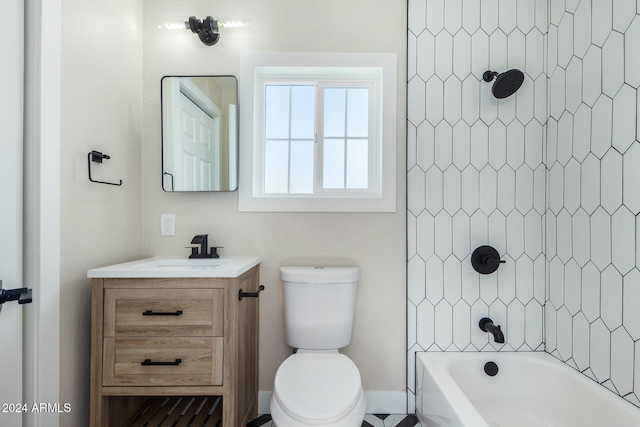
x=489, y=75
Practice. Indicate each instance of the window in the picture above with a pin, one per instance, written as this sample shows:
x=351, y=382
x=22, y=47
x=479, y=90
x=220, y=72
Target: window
x=318, y=138
x=289, y=136
x=322, y=137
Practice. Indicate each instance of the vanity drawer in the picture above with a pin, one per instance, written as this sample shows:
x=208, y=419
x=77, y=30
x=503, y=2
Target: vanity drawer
x=163, y=312
x=163, y=361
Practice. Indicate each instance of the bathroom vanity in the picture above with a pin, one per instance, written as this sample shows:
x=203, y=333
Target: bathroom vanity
x=175, y=341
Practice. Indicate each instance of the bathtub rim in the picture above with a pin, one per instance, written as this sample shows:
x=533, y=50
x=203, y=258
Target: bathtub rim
x=466, y=412
x=439, y=361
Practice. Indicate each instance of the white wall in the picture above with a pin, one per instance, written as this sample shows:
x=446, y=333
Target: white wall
x=100, y=224
x=375, y=242
x=475, y=175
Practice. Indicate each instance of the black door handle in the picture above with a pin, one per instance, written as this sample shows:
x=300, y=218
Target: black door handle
x=22, y=295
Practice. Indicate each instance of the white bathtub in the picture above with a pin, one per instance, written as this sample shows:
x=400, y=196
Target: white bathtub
x=529, y=390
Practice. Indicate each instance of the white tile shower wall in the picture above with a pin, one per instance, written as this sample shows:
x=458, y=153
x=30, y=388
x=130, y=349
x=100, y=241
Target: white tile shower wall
x=593, y=160
x=475, y=175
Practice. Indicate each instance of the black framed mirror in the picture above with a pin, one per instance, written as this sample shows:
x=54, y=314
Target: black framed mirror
x=199, y=133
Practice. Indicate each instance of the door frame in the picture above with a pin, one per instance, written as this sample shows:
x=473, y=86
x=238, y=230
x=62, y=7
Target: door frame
x=41, y=365
x=11, y=209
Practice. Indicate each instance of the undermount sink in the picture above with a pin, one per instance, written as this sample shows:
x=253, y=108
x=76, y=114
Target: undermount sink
x=158, y=267
x=184, y=263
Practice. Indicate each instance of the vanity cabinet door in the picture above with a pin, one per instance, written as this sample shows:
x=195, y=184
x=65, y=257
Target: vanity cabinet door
x=163, y=312
x=163, y=361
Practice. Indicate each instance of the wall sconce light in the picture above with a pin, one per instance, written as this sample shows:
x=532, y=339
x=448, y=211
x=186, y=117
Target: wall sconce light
x=207, y=30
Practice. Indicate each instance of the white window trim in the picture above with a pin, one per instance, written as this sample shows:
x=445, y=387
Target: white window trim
x=250, y=200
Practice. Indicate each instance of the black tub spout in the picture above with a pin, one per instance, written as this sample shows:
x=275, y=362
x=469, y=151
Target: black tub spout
x=487, y=325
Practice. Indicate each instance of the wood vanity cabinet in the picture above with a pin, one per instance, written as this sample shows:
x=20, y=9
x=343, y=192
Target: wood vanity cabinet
x=181, y=338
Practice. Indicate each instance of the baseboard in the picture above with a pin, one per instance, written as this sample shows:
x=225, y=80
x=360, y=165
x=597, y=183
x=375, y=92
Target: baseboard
x=378, y=402
x=386, y=402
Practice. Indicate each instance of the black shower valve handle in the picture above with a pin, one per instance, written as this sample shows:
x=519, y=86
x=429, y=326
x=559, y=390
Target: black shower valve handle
x=491, y=260
x=486, y=260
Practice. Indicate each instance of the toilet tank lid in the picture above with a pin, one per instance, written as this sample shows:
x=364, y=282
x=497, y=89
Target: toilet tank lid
x=319, y=274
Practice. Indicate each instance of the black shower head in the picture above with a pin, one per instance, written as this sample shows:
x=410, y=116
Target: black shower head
x=506, y=83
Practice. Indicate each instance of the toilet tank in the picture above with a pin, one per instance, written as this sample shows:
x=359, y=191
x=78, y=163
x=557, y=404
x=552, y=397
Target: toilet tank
x=319, y=305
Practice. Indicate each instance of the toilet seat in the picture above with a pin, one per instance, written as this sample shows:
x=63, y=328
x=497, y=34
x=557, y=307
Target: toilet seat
x=317, y=388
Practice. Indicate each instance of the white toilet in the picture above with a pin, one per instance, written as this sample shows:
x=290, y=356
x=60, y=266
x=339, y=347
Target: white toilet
x=317, y=386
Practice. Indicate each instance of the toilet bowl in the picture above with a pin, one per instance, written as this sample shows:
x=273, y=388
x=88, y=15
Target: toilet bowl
x=318, y=386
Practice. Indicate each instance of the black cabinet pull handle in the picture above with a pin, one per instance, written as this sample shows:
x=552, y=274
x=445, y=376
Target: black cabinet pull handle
x=162, y=313
x=148, y=362
x=250, y=294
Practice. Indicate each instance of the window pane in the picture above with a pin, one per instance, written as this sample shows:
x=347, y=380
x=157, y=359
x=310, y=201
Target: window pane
x=276, y=106
x=276, y=167
x=358, y=112
x=302, y=112
x=301, y=167
x=334, y=112
x=333, y=163
x=357, y=163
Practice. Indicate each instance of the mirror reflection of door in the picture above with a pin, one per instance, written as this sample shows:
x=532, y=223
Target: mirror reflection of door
x=199, y=134
x=197, y=144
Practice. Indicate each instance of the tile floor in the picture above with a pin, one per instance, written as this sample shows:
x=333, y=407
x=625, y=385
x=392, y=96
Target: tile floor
x=370, y=420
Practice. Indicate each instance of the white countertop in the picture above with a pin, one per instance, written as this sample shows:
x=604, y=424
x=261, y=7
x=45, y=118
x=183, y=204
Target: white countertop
x=158, y=267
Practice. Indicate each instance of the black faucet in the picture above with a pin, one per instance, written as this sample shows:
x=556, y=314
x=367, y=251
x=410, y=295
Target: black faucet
x=487, y=325
x=203, y=241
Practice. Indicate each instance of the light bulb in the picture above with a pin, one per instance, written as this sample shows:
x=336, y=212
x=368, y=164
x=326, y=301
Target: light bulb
x=172, y=26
